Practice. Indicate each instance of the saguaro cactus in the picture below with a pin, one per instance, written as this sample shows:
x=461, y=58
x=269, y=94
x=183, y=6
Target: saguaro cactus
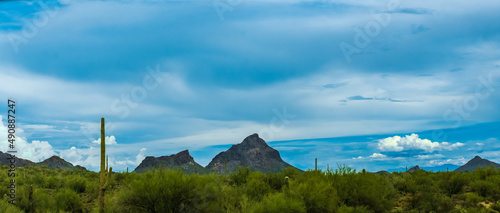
x=315, y=164
x=105, y=174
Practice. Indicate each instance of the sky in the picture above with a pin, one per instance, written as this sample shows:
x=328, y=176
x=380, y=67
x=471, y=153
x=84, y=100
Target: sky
x=371, y=84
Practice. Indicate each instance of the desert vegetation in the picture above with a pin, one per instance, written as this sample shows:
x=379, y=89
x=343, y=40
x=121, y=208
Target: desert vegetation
x=41, y=189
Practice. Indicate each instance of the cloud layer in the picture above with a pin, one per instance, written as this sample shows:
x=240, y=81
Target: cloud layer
x=413, y=142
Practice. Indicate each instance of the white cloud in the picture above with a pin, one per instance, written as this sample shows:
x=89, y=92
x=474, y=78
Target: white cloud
x=456, y=161
x=138, y=159
x=377, y=155
x=35, y=151
x=413, y=142
x=424, y=157
x=374, y=156
x=110, y=140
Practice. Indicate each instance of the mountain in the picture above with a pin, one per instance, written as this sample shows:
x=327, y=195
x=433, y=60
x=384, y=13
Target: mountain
x=57, y=162
x=382, y=172
x=442, y=168
x=252, y=152
x=52, y=162
x=181, y=160
x=19, y=162
x=475, y=163
x=413, y=169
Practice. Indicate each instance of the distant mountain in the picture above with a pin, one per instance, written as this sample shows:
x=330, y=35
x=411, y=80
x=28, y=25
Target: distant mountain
x=382, y=172
x=19, y=162
x=252, y=152
x=475, y=163
x=52, y=162
x=442, y=168
x=181, y=160
x=57, y=162
x=413, y=169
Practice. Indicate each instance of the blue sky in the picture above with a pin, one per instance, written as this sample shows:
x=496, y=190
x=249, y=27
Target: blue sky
x=373, y=84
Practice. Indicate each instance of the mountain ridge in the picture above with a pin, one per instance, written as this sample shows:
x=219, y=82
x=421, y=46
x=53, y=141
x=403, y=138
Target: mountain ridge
x=252, y=152
x=52, y=162
x=475, y=163
x=182, y=160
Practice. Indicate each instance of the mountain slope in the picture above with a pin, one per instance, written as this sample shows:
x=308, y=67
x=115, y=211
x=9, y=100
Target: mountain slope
x=19, y=162
x=57, y=162
x=52, y=162
x=475, y=163
x=181, y=160
x=252, y=152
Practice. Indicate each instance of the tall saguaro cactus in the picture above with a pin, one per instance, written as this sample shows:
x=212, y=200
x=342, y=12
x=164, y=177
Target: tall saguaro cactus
x=105, y=174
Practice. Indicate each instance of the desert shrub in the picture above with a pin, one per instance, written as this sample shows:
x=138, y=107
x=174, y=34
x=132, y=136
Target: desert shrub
x=257, y=185
x=370, y=190
x=159, y=191
x=231, y=199
x=484, y=172
x=68, y=200
x=239, y=176
x=5, y=206
x=76, y=183
x=53, y=182
x=353, y=209
x=42, y=200
x=485, y=188
x=278, y=202
x=290, y=172
x=276, y=180
x=452, y=182
x=92, y=188
x=207, y=192
x=431, y=201
x=404, y=183
x=496, y=206
x=316, y=191
x=472, y=199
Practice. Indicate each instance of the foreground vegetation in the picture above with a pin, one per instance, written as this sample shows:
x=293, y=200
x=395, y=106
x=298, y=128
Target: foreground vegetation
x=40, y=189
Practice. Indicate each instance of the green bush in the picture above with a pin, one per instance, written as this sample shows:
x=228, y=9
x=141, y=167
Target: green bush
x=485, y=188
x=278, y=202
x=159, y=191
x=472, y=199
x=68, y=200
x=239, y=176
x=78, y=184
x=257, y=185
x=316, y=191
x=453, y=183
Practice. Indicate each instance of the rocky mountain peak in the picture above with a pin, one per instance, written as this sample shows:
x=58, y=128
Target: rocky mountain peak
x=475, y=163
x=58, y=162
x=182, y=160
x=415, y=168
x=252, y=152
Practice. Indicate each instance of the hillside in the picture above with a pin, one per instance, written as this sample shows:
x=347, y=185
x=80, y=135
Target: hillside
x=252, y=152
x=182, y=160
